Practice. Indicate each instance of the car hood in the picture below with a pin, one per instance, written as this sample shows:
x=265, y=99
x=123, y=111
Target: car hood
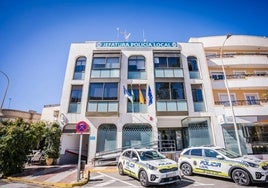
x=251, y=159
x=162, y=163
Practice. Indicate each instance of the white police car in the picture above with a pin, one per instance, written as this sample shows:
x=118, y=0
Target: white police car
x=149, y=166
x=220, y=162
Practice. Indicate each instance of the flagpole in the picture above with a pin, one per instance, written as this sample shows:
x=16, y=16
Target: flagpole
x=132, y=93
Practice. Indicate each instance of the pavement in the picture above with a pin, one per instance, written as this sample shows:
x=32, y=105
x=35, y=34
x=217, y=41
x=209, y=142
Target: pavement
x=58, y=175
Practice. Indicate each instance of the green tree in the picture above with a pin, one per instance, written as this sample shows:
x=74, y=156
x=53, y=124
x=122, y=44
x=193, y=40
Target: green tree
x=18, y=139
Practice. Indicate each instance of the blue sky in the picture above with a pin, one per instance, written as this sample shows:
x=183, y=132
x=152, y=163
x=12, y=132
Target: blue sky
x=35, y=35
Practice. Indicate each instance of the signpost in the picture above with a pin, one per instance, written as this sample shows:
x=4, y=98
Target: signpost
x=81, y=127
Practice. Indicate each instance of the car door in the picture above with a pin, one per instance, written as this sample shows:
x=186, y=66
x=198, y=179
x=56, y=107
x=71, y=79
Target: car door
x=134, y=162
x=196, y=157
x=126, y=161
x=214, y=163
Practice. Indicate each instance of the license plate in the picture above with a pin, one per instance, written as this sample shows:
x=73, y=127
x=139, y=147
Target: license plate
x=171, y=174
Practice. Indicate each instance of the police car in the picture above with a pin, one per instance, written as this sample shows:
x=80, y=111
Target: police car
x=149, y=166
x=220, y=162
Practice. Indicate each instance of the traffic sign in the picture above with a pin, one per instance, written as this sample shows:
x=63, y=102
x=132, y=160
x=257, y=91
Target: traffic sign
x=81, y=127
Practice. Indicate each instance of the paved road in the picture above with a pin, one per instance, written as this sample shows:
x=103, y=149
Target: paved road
x=8, y=184
x=114, y=180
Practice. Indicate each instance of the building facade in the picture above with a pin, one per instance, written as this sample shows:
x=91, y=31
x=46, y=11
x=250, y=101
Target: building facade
x=245, y=61
x=141, y=93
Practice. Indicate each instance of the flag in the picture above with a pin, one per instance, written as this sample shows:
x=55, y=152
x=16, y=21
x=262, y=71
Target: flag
x=150, y=96
x=141, y=96
x=133, y=95
x=127, y=94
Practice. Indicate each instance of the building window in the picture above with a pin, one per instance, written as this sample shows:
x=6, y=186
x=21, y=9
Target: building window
x=136, y=67
x=217, y=75
x=224, y=99
x=105, y=62
x=103, y=98
x=193, y=67
x=198, y=98
x=106, y=65
x=166, y=62
x=252, y=99
x=103, y=91
x=138, y=93
x=106, y=140
x=167, y=65
x=169, y=90
x=79, y=71
x=75, y=99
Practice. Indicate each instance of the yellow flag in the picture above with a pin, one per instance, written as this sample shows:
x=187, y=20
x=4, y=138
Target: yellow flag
x=141, y=96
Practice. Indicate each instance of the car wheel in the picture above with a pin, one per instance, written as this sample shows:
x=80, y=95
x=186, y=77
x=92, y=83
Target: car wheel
x=241, y=177
x=143, y=178
x=186, y=169
x=120, y=169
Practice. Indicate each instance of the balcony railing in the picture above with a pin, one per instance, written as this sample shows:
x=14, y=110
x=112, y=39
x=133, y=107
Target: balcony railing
x=237, y=76
x=242, y=102
x=168, y=73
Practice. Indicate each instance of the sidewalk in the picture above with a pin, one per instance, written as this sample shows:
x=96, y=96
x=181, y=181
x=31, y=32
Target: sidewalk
x=57, y=175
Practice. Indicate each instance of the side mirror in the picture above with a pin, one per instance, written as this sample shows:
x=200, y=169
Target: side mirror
x=219, y=157
x=135, y=159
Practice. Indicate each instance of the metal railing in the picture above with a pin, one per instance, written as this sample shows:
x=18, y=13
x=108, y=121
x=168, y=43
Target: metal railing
x=242, y=102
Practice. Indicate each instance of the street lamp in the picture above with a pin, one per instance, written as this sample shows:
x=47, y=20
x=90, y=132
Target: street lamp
x=5, y=90
x=229, y=96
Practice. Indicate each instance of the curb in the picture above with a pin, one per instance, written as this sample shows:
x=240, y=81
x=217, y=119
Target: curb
x=80, y=183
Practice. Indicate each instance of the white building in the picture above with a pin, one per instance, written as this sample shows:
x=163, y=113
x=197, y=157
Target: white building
x=173, y=105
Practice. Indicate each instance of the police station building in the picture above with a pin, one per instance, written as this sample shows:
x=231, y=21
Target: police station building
x=134, y=94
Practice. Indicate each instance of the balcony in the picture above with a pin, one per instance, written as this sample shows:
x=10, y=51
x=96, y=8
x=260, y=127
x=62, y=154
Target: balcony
x=199, y=107
x=102, y=108
x=241, y=81
x=168, y=73
x=136, y=107
x=105, y=73
x=249, y=61
x=137, y=75
x=174, y=107
x=242, y=102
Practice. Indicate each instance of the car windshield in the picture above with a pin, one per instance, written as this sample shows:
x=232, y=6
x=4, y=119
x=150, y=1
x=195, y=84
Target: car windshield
x=228, y=153
x=150, y=155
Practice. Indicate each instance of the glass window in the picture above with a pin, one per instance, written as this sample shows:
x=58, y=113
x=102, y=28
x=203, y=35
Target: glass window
x=197, y=95
x=162, y=90
x=166, y=62
x=79, y=71
x=217, y=75
x=210, y=153
x=75, y=99
x=103, y=91
x=136, y=63
x=127, y=154
x=105, y=63
x=166, y=90
x=192, y=63
x=196, y=152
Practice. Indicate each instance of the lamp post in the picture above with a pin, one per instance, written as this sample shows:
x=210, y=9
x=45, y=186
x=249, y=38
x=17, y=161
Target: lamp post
x=229, y=96
x=5, y=90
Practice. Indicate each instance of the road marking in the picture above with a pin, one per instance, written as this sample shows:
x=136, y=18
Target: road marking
x=96, y=177
x=118, y=180
x=105, y=183
x=196, y=184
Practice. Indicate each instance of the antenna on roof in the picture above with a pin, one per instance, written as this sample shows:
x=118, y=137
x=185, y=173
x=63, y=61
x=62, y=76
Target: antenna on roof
x=143, y=36
x=125, y=34
x=118, y=31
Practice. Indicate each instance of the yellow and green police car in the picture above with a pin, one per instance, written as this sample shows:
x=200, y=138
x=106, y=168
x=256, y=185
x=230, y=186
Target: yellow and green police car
x=149, y=166
x=217, y=161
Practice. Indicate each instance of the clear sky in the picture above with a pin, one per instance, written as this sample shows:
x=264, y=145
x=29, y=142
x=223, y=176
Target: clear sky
x=35, y=35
